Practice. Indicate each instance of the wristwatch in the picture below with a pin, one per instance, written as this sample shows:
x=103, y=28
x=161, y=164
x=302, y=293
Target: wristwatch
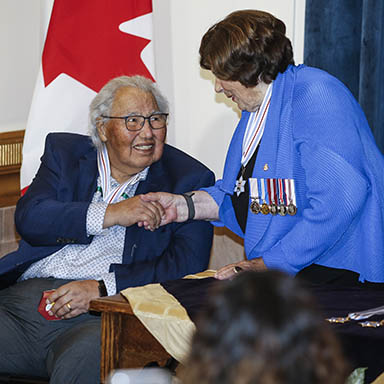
x=190, y=204
x=102, y=288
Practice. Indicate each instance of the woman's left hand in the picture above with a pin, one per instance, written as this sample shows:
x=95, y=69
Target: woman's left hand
x=72, y=299
x=231, y=270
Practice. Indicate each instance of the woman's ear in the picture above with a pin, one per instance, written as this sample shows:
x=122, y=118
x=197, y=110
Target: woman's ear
x=101, y=129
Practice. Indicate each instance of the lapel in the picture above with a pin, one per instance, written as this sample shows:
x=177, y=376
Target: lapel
x=155, y=182
x=88, y=173
x=233, y=159
x=274, y=159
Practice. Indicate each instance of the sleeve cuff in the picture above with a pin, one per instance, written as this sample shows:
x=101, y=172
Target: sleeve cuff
x=110, y=283
x=276, y=258
x=95, y=218
x=218, y=195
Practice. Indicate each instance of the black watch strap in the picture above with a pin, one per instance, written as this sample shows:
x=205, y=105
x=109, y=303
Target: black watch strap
x=190, y=205
x=102, y=288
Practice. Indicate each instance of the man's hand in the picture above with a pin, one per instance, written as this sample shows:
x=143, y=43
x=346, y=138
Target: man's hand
x=229, y=271
x=72, y=299
x=175, y=206
x=132, y=211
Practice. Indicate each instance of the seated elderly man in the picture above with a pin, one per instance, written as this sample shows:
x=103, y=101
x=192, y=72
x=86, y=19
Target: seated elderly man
x=80, y=234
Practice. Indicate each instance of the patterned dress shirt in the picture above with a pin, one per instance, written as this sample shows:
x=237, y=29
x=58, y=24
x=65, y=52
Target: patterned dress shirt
x=91, y=261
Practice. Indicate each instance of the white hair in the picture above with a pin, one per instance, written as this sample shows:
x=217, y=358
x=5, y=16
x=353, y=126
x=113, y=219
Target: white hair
x=102, y=103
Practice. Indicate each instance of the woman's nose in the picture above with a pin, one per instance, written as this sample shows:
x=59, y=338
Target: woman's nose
x=218, y=86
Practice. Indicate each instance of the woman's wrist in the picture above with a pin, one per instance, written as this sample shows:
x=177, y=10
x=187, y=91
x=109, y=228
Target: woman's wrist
x=190, y=205
x=201, y=207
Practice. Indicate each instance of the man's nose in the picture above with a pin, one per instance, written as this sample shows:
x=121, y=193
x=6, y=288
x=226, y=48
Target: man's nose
x=146, y=131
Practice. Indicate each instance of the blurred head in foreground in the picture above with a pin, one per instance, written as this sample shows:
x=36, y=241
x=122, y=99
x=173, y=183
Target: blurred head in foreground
x=263, y=327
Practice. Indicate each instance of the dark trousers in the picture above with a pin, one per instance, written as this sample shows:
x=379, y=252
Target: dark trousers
x=66, y=351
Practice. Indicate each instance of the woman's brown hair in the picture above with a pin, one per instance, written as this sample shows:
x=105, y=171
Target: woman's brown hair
x=247, y=46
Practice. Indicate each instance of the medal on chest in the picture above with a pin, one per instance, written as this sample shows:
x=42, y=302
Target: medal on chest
x=290, y=187
x=240, y=183
x=254, y=194
x=272, y=196
x=273, y=208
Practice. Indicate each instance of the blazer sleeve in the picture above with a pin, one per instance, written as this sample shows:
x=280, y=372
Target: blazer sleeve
x=327, y=123
x=47, y=215
x=184, y=249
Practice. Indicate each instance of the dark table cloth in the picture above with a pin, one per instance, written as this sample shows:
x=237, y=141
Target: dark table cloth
x=363, y=347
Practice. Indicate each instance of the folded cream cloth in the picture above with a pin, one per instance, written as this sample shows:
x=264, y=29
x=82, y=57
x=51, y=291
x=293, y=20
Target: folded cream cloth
x=164, y=316
x=379, y=379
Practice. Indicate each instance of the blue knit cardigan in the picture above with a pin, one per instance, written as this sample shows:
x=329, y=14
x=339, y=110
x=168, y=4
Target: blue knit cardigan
x=316, y=134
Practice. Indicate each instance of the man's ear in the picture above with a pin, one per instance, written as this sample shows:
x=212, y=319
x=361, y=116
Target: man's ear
x=101, y=129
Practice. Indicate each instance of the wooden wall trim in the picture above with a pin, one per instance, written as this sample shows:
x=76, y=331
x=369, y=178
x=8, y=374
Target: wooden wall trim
x=11, y=146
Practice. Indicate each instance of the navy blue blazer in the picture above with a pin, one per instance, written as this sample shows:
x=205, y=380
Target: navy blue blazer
x=53, y=213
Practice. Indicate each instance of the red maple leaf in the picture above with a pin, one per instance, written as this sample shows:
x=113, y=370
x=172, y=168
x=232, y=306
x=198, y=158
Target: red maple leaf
x=84, y=41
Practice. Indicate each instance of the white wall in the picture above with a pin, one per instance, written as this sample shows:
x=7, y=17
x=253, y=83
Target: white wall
x=20, y=50
x=203, y=122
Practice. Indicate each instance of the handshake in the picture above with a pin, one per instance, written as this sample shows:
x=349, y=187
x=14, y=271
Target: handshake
x=155, y=209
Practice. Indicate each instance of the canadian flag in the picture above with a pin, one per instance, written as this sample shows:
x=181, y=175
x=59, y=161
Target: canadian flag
x=87, y=44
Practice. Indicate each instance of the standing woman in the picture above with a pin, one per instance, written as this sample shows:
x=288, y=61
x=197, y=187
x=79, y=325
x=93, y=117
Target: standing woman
x=303, y=182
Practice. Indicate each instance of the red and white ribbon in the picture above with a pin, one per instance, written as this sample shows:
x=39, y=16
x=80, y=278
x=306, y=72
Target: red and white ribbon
x=255, y=128
x=281, y=192
x=110, y=195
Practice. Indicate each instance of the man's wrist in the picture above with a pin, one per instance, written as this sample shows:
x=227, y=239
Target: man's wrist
x=102, y=288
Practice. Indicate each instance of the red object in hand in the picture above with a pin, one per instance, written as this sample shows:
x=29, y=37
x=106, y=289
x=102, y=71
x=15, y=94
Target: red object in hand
x=44, y=307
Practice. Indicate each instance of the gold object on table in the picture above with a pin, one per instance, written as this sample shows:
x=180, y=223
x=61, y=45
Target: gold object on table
x=372, y=324
x=338, y=319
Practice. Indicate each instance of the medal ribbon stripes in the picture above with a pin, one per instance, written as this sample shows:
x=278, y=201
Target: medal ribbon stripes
x=282, y=205
x=280, y=193
x=264, y=205
x=255, y=197
x=111, y=195
x=275, y=191
x=271, y=194
x=253, y=134
x=255, y=128
x=290, y=187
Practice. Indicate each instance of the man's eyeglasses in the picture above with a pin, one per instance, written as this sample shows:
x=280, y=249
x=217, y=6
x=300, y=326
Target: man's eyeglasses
x=136, y=122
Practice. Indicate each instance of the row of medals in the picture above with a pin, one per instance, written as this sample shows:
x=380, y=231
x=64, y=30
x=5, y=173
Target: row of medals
x=273, y=208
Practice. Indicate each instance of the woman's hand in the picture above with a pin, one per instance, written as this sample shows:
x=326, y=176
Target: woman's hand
x=176, y=208
x=231, y=270
x=134, y=210
x=72, y=299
